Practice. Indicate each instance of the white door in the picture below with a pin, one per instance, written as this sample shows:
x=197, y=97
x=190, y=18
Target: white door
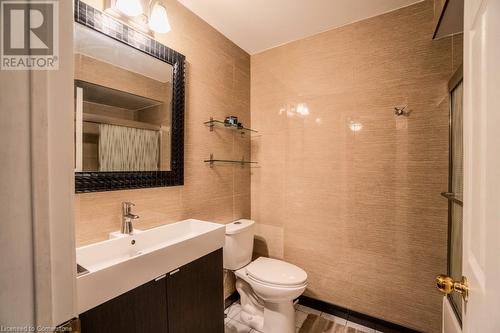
x=481, y=225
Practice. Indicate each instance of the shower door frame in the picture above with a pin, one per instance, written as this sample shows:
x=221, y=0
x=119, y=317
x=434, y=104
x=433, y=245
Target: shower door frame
x=455, y=80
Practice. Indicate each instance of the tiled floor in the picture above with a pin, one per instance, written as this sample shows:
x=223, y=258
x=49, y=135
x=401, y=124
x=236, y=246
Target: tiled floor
x=234, y=325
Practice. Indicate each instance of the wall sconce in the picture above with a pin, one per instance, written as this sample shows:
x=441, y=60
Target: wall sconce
x=158, y=21
x=145, y=15
x=129, y=7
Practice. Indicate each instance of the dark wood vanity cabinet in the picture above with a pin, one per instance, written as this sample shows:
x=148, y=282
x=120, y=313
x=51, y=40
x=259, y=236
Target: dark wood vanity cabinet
x=143, y=309
x=187, y=300
x=195, y=294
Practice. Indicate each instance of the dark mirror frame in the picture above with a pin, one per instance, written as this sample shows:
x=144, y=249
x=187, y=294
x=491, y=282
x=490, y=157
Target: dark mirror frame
x=112, y=181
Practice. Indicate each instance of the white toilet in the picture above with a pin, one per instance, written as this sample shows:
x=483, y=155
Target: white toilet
x=267, y=287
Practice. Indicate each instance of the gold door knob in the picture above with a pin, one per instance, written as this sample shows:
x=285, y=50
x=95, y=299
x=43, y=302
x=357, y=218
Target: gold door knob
x=447, y=285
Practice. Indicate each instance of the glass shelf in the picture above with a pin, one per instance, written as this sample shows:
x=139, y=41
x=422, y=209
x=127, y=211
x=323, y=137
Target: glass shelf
x=212, y=161
x=214, y=122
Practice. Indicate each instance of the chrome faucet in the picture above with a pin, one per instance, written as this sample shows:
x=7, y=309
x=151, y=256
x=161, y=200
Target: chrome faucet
x=127, y=217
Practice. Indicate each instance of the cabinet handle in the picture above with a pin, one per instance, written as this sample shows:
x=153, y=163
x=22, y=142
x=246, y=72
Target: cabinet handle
x=176, y=271
x=161, y=277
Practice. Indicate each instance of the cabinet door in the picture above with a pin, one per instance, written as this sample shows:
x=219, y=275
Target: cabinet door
x=141, y=310
x=196, y=296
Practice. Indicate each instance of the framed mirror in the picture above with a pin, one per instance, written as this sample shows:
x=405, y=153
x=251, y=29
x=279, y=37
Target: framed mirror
x=129, y=106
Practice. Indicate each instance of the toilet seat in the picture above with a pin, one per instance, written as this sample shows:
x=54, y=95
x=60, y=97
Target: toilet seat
x=276, y=273
x=276, y=286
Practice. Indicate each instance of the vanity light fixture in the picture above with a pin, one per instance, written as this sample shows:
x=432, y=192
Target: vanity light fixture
x=146, y=15
x=158, y=21
x=130, y=7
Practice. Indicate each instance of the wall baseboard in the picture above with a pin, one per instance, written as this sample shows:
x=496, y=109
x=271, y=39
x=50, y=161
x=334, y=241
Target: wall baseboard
x=338, y=311
x=356, y=317
x=231, y=299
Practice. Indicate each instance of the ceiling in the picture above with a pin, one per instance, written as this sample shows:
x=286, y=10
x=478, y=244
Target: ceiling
x=257, y=25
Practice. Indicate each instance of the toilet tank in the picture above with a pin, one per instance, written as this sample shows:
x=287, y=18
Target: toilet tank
x=238, y=246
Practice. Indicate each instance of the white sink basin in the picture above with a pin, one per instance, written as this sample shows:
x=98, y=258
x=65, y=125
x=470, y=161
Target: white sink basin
x=116, y=266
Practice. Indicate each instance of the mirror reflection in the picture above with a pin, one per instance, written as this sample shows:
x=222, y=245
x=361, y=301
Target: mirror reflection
x=123, y=106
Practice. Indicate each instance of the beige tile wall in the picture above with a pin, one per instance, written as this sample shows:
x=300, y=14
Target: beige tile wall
x=217, y=84
x=359, y=211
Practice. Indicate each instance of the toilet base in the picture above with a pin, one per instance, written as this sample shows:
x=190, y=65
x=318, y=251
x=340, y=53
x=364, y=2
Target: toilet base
x=252, y=308
x=279, y=317
x=264, y=316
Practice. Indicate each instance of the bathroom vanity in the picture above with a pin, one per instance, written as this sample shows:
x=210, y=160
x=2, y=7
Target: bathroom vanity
x=188, y=299
x=166, y=279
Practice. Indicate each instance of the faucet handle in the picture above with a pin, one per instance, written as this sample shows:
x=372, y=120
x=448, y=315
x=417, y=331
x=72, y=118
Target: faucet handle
x=126, y=207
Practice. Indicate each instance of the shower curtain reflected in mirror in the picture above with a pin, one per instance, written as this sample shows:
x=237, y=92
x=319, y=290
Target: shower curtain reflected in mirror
x=128, y=149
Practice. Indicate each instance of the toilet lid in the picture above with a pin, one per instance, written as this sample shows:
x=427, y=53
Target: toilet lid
x=276, y=272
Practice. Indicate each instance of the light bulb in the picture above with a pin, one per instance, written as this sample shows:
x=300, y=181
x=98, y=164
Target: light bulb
x=130, y=7
x=158, y=21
